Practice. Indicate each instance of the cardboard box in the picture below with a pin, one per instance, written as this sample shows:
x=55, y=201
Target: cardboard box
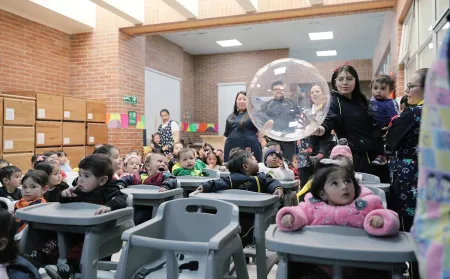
x=75, y=154
x=95, y=111
x=48, y=133
x=21, y=160
x=49, y=107
x=97, y=133
x=19, y=112
x=74, y=133
x=74, y=109
x=18, y=139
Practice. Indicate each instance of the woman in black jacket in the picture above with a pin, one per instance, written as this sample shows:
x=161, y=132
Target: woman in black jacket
x=349, y=116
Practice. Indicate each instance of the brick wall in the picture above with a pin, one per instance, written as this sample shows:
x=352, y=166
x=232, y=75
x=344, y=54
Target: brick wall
x=362, y=66
x=32, y=56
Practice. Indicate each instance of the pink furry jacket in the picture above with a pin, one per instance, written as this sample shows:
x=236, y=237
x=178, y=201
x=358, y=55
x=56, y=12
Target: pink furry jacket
x=357, y=214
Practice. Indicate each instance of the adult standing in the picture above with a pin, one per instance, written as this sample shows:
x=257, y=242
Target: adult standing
x=239, y=129
x=401, y=143
x=169, y=131
x=349, y=116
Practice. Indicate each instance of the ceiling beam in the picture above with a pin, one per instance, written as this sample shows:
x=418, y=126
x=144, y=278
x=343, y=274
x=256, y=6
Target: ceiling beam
x=316, y=2
x=187, y=8
x=249, y=6
x=327, y=10
x=133, y=11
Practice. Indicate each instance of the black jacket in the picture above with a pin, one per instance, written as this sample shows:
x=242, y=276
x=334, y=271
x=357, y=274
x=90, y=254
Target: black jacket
x=53, y=195
x=282, y=112
x=243, y=182
x=350, y=120
x=107, y=195
x=14, y=196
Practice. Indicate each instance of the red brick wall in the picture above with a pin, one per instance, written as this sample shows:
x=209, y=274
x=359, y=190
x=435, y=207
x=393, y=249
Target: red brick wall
x=164, y=56
x=32, y=56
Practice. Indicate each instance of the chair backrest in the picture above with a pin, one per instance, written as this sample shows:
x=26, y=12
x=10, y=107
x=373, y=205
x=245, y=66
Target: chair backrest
x=7, y=203
x=369, y=178
x=129, y=200
x=211, y=173
x=181, y=215
x=379, y=193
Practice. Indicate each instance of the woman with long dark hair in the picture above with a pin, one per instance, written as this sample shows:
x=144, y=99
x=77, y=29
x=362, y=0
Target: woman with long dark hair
x=239, y=129
x=349, y=116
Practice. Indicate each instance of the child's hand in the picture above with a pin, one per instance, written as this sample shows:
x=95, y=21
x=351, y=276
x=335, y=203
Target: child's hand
x=287, y=220
x=102, y=209
x=376, y=222
x=169, y=156
x=69, y=193
x=200, y=189
x=282, y=165
x=279, y=192
x=162, y=189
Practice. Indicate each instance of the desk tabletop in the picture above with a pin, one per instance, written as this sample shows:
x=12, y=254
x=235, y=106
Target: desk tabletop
x=74, y=214
x=192, y=180
x=240, y=198
x=148, y=192
x=341, y=243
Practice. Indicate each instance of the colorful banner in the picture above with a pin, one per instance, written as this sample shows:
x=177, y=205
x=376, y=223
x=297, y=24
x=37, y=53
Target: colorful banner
x=141, y=122
x=200, y=127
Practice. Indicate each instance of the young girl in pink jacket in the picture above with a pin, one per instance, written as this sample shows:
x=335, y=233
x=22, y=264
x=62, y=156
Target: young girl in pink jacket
x=336, y=198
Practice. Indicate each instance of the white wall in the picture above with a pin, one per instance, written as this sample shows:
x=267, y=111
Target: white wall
x=83, y=11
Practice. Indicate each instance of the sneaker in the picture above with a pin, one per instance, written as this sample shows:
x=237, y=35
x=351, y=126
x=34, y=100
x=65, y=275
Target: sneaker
x=60, y=271
x=379, y=161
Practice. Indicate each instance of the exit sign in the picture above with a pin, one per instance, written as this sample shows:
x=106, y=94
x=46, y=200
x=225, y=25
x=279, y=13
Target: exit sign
x=130, y=99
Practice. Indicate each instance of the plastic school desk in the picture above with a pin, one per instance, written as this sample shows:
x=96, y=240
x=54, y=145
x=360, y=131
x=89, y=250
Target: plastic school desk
x=340, y=246
x=79, y=217
x=148, y=195
x=288, y=185
x=264, y=206
x=382, y=186
x=191, y=183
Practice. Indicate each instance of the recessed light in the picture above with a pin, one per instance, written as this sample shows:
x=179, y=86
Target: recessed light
x=229, y=43
x=326, y=53
x=321, y=36
x=279, y=71
x=430, y=45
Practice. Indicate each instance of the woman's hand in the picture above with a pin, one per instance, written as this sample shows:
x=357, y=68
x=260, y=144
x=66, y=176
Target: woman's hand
x=287, y=220
x=376, y=222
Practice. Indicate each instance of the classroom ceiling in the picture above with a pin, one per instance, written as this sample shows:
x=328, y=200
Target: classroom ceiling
x=355, y=37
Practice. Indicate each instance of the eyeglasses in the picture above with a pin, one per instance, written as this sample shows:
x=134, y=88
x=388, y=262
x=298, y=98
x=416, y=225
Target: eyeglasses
x=348, y=79
x=410, y=86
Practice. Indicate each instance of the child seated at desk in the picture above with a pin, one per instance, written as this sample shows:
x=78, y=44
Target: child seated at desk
x=213, y=161
x=188, y=165
x=336, y=198
x=34, y=186
x=93, y=186
x=114, y=155
x=55, y=183
x=10, y=179
x=275, y=166
x=132, y=165
x=174, y=155
x=63, y=161
x=244, y=175
x=12, y=265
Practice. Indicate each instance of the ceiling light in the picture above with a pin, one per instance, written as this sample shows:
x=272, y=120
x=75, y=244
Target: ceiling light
x=326, y=53
x=279, y=71
x=321, y=36
x=229, y=43
x=446, y=26
x=430, y=45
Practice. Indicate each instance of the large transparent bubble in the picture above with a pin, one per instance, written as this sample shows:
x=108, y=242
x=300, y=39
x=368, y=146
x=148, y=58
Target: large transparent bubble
x=288, y=99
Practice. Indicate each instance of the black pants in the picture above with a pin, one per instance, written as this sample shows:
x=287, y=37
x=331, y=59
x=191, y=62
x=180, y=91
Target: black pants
x=304, y=174
x=377, y=140
x=363, y=163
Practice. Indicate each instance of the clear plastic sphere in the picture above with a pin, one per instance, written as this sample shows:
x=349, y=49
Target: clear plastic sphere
x=288, y=99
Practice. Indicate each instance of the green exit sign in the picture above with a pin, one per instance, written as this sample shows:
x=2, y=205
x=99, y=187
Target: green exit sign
x=130, y=99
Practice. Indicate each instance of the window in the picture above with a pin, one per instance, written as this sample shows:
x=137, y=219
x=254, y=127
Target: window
x=406, y=32
x=409, y=70
x=426, y=19
x=384, y=68
x=427, y=55
x=441, y=8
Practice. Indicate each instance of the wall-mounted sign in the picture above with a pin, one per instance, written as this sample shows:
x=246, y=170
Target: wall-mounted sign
x=130, y=99
x=131, y=118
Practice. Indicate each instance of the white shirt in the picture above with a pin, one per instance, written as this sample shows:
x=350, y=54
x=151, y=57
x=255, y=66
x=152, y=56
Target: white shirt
x=174, y=126
x=278, y=173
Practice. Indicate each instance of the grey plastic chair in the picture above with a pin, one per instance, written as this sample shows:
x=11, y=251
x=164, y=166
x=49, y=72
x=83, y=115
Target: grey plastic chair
x=379, y=193
x=369, y=178
x=211, y=173
x=210, y=239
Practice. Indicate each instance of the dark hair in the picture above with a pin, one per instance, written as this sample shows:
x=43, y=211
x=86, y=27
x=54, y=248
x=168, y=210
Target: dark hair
x=236, y=111
x=153, y=136
x=219, y=161
x=61, y=153
x=232, y=151
x=383, y=79
x=208, y=145
x=7, y=172
x=423, y=76
x=47, y=167
x=275, y=83
x=50, y=153
x=185, y=151
x=105, y=149
x=4, y=162
x=8, y=229
x=38, y=176
x=237, y=160
x=321, y=176
x=271, y=143
x=164, y=110
x=357, y=93
x=99, y=164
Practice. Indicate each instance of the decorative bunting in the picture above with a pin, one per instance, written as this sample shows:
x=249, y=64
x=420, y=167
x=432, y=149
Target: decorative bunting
x=200, y=127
